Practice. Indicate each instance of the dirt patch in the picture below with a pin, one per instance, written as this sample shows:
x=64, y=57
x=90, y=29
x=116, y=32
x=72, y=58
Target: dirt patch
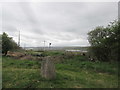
x=15, y=54
x=27, y=57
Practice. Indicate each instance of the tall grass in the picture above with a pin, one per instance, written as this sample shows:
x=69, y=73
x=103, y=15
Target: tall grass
x=76, y=72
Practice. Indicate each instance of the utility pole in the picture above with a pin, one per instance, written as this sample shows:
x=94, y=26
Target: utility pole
x=19, y=39
x=49, y=45
x=44, y=45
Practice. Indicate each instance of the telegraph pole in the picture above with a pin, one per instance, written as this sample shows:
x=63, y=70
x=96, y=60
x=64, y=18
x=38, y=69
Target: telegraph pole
x=44, y=45
x=19, y=39
x=49, y=45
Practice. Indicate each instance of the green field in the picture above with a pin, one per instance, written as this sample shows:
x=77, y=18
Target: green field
x=76, y=72
x=0, y=71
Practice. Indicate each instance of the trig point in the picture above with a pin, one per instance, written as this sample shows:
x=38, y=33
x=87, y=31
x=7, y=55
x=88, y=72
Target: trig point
x=48, y=68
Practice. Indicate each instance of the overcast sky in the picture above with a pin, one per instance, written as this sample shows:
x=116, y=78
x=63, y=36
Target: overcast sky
x=59, y=23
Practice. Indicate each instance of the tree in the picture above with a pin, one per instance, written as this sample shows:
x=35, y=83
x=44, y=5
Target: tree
x=104, y=41
x=113, y=41
x=7, y=43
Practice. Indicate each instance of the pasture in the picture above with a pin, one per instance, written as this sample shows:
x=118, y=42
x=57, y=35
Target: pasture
x=73, y=72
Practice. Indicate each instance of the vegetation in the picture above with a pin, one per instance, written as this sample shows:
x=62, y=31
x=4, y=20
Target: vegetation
x=73, y=71
x=7, y=44
x=105, y=42
x=77, y=72
x=53, y=53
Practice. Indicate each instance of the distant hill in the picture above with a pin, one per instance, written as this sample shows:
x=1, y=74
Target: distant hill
x=58, y=48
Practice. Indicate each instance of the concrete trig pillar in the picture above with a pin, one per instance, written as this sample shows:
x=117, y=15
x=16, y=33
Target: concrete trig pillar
x=48, y=68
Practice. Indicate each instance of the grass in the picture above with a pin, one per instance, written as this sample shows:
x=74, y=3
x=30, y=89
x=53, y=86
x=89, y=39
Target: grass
x=0, y=72
x=72, y=73
x=45, y=53
x=53, y=53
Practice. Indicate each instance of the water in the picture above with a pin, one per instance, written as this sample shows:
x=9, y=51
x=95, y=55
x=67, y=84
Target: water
x=76, y=50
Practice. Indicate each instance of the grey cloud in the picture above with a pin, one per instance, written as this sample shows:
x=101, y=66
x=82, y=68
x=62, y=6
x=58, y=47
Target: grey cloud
x=62, y=23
